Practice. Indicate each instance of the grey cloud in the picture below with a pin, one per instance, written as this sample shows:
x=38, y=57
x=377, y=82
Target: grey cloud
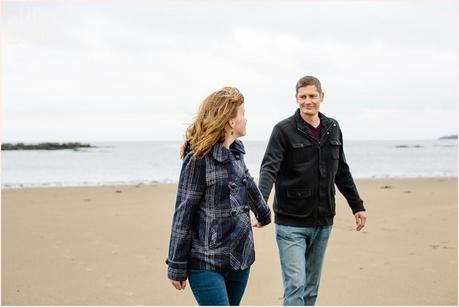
x=113, y=60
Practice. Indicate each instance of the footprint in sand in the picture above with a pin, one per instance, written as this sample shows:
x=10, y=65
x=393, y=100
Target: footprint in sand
x=445, y=245
x=142, y=259
x=66, y=256
x=84, y=265
x=108, y=281
x=96, y=241
x=388, y=229
x=115, y=248
x=66, y=253
x=57, y=244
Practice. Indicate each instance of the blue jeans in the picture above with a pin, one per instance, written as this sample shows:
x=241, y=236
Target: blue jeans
x=301, y=251
x=211, y=288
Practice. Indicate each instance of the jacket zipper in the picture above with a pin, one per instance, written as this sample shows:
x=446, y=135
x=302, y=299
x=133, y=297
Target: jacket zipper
x=332, y=124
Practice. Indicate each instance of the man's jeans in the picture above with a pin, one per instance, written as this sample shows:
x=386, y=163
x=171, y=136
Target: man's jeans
x=211, y=288
x=301, y=251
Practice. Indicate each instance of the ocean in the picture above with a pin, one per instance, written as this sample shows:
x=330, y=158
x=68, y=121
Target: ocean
x=120, y=163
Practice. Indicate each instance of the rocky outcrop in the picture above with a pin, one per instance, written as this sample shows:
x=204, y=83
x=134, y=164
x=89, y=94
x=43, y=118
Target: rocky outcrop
x=43, y=146
x=449, y=137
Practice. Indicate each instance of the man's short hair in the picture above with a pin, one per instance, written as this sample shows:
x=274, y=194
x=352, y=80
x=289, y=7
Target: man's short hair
x=309, y=80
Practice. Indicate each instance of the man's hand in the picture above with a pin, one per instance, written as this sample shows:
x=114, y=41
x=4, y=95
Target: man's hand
x=360, y=219
x=254, y=221
x=179, y=284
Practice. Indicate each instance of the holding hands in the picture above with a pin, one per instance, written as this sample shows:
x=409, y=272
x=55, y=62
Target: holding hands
x=254, y=221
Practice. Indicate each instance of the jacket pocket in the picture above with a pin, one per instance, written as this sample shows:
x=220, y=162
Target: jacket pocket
x=302, y=151
x=298, y=194
x=297, y=202
x=220, y=232
x=334, y=149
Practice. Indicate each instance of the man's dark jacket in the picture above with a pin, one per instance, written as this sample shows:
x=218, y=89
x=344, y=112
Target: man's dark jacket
x=305, y=171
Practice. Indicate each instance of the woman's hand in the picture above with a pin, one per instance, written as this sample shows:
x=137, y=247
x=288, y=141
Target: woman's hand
x=254, y=221
x=179, y=284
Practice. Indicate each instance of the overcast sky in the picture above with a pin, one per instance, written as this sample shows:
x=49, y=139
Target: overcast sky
x=137, y=70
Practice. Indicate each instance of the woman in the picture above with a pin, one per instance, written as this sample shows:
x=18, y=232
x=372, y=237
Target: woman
x=211, y=239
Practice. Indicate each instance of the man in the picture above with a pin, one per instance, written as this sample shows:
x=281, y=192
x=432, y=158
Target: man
x=305, y=160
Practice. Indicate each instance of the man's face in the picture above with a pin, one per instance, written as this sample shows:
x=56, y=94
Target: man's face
x=309, y=100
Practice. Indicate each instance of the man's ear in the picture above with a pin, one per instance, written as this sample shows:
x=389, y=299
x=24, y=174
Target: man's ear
x=323, y=95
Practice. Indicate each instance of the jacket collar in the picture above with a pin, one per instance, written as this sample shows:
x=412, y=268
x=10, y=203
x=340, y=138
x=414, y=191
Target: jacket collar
x=301, y=125
x=324, y=120
x=221, y=153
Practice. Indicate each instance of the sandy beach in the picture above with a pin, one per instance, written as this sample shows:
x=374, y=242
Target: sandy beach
x=107, y=246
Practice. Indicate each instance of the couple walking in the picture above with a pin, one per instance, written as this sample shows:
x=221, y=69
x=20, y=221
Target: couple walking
x=211, y=241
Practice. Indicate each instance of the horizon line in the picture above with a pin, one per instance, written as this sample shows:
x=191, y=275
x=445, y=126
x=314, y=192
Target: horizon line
x=176, y=140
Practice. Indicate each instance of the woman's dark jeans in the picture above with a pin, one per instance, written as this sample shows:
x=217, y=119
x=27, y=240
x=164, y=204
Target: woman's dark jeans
x=212, y=288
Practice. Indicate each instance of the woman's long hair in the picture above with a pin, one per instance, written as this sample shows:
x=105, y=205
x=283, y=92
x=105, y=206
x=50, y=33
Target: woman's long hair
x=209, y=126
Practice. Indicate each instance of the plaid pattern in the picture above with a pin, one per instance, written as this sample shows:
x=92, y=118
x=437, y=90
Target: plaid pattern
x=211, y=227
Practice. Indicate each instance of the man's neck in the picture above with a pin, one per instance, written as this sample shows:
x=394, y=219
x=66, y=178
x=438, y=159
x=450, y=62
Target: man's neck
x=313, y=120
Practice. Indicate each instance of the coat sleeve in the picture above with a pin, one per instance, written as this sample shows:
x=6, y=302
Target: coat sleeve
x=191, y=188
x=272, y=160
x=256, y=202
x=346, y=184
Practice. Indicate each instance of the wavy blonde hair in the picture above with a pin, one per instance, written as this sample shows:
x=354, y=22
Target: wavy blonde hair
x=209, y=126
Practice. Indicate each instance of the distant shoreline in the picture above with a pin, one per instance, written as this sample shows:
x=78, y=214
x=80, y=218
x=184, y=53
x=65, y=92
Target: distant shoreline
x=174, y=182
x=159, y=162
x=243, y=139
